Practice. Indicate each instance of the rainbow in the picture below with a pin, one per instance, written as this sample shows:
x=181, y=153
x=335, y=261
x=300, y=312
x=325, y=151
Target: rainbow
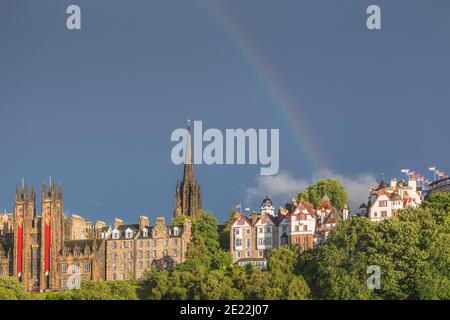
x=287, y=110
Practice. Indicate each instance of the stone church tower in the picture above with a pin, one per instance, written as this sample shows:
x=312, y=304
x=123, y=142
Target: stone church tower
x=188, y=198
x=52, y=236
x=38, y=240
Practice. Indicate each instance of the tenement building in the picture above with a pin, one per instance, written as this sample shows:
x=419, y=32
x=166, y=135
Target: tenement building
x=51, y=251
x=252, y=237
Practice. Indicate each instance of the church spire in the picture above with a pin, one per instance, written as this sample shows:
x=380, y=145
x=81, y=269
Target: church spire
x=188, y=175
x=188, y=199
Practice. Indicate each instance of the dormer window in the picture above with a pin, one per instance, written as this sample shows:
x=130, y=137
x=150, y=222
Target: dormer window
x=115, y=234
x=128, y=233
x=175, y=231
x=145, y=233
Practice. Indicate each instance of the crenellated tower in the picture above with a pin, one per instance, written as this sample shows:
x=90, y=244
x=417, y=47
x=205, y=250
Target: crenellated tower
x=52, y=236
x=25, y=237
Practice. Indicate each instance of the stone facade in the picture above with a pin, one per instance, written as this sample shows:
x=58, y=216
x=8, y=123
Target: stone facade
x=188, y=197
x=133, y=248
x=55, y=252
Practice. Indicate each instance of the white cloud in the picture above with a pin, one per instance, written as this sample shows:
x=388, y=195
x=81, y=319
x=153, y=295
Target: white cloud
x=283, y=187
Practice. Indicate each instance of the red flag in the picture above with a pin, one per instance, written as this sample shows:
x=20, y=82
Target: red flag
x=19, y=242
x=47, y=242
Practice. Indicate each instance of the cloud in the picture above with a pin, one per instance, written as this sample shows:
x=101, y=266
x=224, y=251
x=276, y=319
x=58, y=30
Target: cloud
x=283, y=187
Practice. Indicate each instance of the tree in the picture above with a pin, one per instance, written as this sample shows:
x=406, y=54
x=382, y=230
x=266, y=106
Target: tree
x=98, y=290
x=224, y=236
x=437, y=201
x=410, y=250
x=331, y=188
x=12, y=289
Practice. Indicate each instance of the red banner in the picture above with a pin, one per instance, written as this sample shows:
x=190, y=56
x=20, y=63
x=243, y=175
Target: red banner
x=19, y=248
x=47, y=242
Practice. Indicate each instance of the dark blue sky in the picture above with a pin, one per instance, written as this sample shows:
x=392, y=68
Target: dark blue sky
x=95, y=108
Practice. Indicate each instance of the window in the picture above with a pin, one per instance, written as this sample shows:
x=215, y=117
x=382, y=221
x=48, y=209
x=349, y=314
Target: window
x=154, y=254
x=124, y=276
x=129, y=265
x=238, y=242
x=261, y=230
x=284, y=229
x=87, y=266
x=114, y=245
x=268, y=229
x=115, y=234
x=166, y=243
x=130, y=255
x=248, y=243
x=140, y=265
x=129, y=234
x=305, y=228
x=147, y=254
x=141, y=244
x=174, y=252
x=175, y=242
x=123, y=245
x=154, y=243
x=247, y=254
x=269, y=241
x=148, y=243
x=145, y=233
x=165, y=253
x=297, y=228
x=64, y=284
x=261, y=241
x=149, y=264
x=383, y=203
x=248, y=230
x=114, y=276
x=238, y=254
x=130, y=244
x=114, y=266
x=140, y=255
x=237, y=231
x=123, y=255
x=384, y=214
x=260, y=253
x=122, y=266
x=375, y=214
x=64, y=267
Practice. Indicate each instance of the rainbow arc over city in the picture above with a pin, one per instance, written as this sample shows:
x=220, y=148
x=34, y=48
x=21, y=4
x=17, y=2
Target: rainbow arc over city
x=269, y=82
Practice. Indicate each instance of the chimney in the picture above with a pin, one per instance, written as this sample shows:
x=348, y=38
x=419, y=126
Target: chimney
x=412, y=183
x=117, y=223
x=143, y=222
x=254, y=217
x=393, y=182
x=160, y=221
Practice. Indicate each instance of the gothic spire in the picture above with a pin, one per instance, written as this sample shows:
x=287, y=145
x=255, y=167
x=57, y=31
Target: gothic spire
x=188, y=175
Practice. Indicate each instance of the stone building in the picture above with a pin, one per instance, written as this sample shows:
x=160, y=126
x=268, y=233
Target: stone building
x=133, y=248
x=188, y=198
x=53, y=252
